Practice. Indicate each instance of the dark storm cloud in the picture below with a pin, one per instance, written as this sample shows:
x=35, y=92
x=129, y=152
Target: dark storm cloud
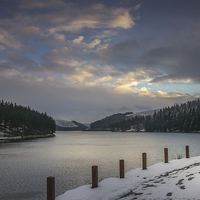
x=180, y=61
x=122, y=53
x=75, y=58
x=68, y=16
x=19, y=60
x=20, y=63
x=177, y=60
x=56, y=60
x=168, y=43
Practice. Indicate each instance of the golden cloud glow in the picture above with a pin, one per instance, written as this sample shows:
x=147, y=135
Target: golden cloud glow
x=96, y=16
x=79, y=41
x=59, y=37
x=187, y=80
x=124, y=21
x=105, y=80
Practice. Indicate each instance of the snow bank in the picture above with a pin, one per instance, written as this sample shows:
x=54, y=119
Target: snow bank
x=177, y=179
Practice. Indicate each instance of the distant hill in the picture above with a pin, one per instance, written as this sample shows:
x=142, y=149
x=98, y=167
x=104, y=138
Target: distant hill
x=183, y=117
x=87, y=125
x=106, y=123
x=63, y=125
x=178, y=118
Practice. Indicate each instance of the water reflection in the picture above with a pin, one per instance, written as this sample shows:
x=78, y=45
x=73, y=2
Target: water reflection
x=69, y=156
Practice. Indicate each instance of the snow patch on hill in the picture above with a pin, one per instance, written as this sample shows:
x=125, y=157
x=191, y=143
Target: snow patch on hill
x=64, y=123
x=143, y=113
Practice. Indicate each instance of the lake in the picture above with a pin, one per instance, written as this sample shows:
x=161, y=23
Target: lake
x=69, y=157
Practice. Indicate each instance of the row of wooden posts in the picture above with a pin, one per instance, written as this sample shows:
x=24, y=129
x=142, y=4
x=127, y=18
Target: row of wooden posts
x=51, y=180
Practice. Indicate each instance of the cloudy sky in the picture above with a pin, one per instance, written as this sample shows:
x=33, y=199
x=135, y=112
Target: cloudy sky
x=86, y=59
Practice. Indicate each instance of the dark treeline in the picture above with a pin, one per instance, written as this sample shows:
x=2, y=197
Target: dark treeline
x=178, y=118
x=106, y=123
x=21, y=121
x=136, y=123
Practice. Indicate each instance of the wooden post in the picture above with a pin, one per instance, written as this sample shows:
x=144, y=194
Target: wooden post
x=121, y=168
x=94, y=176
x=144, y=161
x=187, y=152
x=166, y=154
x=50, y=188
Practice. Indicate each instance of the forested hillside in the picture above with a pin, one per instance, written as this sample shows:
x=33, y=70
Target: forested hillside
x=17, y=120
x=107, y=122
x=178, y=118
x=134, y=124
x=181, y=118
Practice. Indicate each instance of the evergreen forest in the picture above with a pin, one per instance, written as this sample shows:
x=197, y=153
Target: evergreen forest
x=107, y=122
x=17, y=120
x=178, y=118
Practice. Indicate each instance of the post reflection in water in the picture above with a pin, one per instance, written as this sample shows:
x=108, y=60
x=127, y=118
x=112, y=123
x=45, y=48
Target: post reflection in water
x=69, y=157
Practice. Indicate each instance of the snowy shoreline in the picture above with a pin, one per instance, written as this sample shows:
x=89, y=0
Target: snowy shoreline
x=178, y=179
x=16, y=138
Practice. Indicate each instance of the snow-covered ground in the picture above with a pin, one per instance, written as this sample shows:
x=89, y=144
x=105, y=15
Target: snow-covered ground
x=178, y=179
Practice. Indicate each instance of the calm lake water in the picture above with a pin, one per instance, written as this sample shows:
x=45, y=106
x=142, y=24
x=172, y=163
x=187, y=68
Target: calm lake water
x=69, y=156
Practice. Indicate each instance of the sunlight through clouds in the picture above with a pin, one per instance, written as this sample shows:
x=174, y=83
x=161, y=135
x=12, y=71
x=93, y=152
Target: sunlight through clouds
x=104, y=55
x=79, y=42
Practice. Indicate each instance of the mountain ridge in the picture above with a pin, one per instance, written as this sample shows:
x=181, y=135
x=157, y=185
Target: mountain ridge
x=184, y=117
x=64, y=125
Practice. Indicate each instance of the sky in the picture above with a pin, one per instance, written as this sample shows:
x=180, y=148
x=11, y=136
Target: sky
x=85, y=60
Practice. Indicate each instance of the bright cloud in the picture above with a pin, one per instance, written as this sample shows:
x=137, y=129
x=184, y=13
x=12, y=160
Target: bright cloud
x=95, y=16
x=79, y=42
x=94, y=56
x=123, y=21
